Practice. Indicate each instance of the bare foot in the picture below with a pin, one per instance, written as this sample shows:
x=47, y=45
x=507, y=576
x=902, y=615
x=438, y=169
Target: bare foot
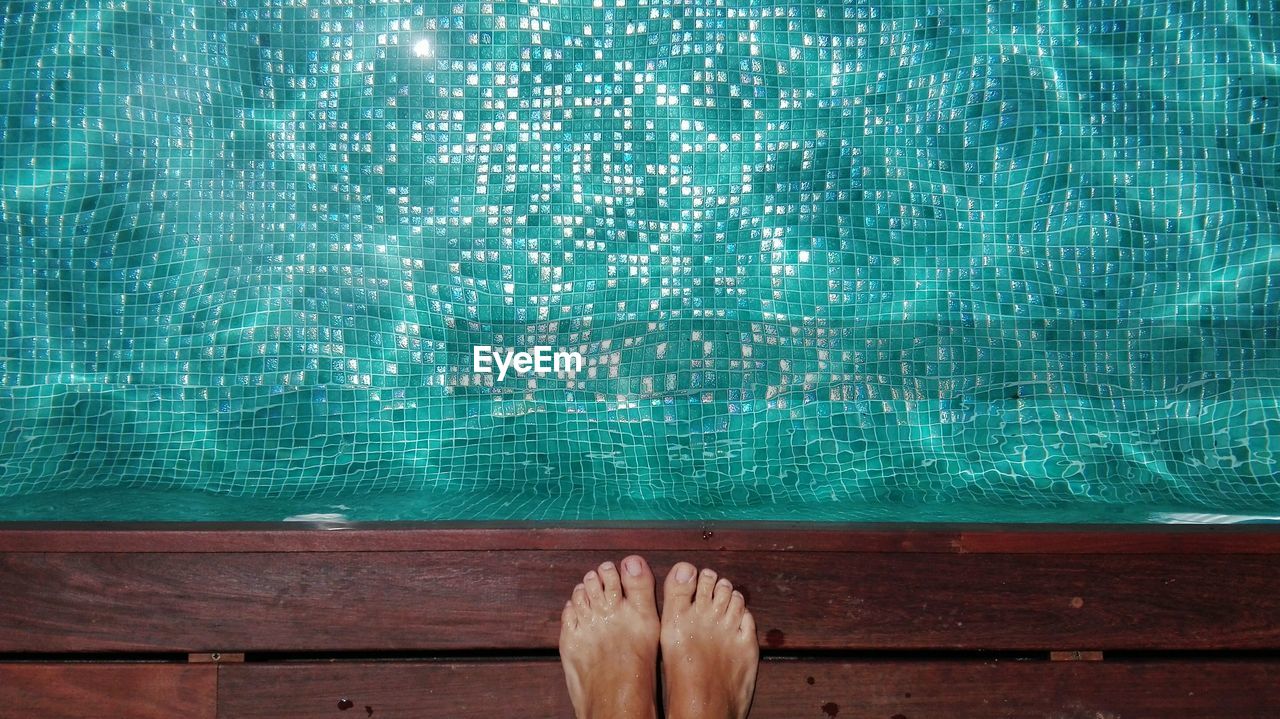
x=709, y=647
x=609, y=643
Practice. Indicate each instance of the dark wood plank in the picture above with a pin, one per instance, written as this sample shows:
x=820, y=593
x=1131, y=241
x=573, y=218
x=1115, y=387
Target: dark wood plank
x=786, y=690
x=511, y=600
x=1019, y=690
x=393, y=688
x=525, y=689
x=97, y=690
x=717, y=536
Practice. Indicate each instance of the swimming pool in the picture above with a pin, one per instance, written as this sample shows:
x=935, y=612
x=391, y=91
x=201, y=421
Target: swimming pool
x=821, y=261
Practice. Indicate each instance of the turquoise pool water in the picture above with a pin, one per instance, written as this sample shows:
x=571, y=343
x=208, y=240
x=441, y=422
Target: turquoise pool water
x=828, y=261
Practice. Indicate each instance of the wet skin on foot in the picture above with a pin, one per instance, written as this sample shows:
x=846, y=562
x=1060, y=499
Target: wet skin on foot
x=709, y=648
x=609, y=643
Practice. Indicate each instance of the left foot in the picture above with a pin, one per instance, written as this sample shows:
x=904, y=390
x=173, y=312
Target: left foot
x=609, y=643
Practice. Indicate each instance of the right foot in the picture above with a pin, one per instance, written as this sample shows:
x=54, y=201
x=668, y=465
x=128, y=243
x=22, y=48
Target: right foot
x=709, y=647
x=609, y=643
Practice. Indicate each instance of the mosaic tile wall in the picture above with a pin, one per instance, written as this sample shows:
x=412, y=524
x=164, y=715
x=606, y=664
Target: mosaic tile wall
x=1023, y=253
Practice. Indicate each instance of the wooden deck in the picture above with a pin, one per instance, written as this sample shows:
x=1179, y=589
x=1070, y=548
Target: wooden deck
x=461, y=621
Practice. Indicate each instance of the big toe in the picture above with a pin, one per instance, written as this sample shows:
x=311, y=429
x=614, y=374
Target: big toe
x=677, y=593
x=637, y=583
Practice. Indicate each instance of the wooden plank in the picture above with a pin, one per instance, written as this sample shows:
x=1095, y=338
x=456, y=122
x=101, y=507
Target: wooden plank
x=717, y=536
x=456, y=600
x=900, y=689
x=370, y=690
x=93, y=691
x=1020, y=690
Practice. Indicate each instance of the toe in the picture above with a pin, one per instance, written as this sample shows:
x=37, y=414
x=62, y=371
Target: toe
x=580, y=601
x=678, y=590
x=569, y=617
x=595, y=588
x=612, y=583
x=737, y=606
x=706, y=588
x=748, y=626
x=637, y=583
x=720, y=599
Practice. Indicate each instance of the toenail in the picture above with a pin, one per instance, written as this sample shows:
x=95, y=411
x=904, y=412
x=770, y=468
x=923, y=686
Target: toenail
x=590, y=576
x=606, y=567
x=708, y=572
x=684, y=573
x=633, y=566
